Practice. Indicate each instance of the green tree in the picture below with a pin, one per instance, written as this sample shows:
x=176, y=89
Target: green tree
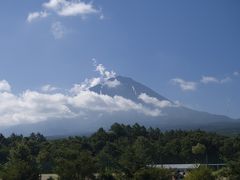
x=153, y=174
x=143, y=151
x=75, y=165
x=108, y=159
x=234, y=169
x=45, y=158
x=201, y=173
x=21, y=165
x=199, y=149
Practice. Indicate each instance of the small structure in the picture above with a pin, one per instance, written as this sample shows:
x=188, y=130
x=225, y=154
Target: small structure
x=49, y=177
x=180, y=167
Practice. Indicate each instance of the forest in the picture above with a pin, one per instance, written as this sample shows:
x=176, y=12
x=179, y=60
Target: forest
x=122, y=152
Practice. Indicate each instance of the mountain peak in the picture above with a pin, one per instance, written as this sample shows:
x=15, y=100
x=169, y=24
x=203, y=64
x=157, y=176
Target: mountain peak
x=168, y=117
x=127, y=88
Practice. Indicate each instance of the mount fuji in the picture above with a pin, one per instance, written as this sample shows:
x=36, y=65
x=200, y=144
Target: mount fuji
x=164, y=113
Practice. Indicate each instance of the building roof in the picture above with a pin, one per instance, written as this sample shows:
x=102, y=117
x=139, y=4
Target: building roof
x=177, y=166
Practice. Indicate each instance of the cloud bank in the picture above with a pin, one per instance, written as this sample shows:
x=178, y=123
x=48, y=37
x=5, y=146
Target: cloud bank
x=47, y=104
x=33, y=106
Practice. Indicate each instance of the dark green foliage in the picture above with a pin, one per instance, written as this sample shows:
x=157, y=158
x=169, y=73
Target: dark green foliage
x=123, y=152
x=202, y=173
x=199, y=149
x=75, y=165
x=153, y=174
x=21, y=165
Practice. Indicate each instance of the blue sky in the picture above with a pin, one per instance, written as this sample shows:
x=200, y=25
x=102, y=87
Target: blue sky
x=162, y=44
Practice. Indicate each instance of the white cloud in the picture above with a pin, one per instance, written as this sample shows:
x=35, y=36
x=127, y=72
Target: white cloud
x=32, y=106
x=112, y=83
x=58, y=30
x=53, y=4
x=89, y=100
x=36, y=15
x=191, y=86
x=75, y=9
x=106, y=78
x=185, y=85
x=86, y=85
x=64, y=8
x=71, y=8
x=154, y=101
x=210, y=79
x=104, y=73
x=48, y=88
x=4, y=86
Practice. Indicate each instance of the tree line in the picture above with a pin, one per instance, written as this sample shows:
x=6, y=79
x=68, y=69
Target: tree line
x=122, y=152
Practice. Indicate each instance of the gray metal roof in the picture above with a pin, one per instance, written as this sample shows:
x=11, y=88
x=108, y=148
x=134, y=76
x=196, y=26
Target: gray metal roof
x=177, y=166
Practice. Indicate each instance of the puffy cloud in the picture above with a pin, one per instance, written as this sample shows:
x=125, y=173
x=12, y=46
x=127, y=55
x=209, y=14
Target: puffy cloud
x=154, y=101
x=112, y=83
x=58, y=30
x=48, y=88
x=86, y=85
x=106, y=77
x=5, y=86
x=89, y=100
x=36, y=15
x=53, y=4
x=210, y=79
x=32, y=106
x=185, y=85
x=104, y=73
x=70, y=8
x=65, y=8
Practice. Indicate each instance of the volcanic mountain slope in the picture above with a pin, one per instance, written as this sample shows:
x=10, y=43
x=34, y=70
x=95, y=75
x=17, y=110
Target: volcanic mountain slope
x=174, y=116
x=170, y=115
